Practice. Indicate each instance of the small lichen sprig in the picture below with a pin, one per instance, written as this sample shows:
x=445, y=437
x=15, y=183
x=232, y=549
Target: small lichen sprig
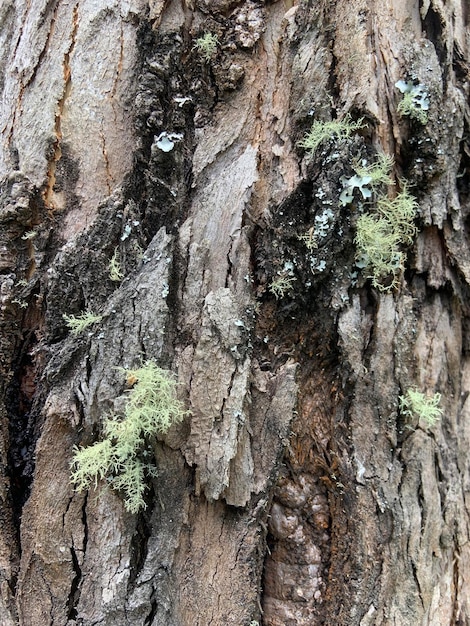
x=418, y=405
x=367, y=179
x=151, y=408
x=380, y=236
x=21, y=303
x=207, y=45
x=281, y=286
x=321, y=131
x=78, y=323
x=309, y=239
x=415, y=101
x=30, y=234
x=115, y=268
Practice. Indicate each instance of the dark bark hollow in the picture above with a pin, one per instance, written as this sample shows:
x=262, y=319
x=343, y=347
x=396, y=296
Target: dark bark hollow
x=298, y=490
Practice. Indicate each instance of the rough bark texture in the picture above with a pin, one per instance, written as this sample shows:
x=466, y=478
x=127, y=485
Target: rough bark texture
x=295, y=492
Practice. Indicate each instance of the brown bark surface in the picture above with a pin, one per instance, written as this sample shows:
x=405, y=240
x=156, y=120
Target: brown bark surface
x=296, y=492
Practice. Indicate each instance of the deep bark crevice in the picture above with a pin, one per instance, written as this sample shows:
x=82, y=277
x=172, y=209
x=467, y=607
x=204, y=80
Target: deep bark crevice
x=74, y=595
x=153, y=611
x=434, y=25
x=24, y=409
x=139, y=543
x=463, y=176
x=311, y=475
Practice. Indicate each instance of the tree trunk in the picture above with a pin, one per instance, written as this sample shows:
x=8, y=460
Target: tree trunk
x=298, y=490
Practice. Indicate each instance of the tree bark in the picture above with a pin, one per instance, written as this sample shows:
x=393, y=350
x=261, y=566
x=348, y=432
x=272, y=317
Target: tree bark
x=297, y=491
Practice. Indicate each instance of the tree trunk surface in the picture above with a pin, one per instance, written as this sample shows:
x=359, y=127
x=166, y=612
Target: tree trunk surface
x=297, y=491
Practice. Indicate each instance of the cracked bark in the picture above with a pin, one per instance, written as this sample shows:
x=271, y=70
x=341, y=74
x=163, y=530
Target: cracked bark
x=295, y=492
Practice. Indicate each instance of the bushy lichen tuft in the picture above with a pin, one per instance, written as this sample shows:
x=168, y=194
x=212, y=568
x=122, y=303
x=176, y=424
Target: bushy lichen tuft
x=321, y=131
x=207, y=45
x=380, y=237
x=401, y=214
x=92, y=464
x=151, y=408
x=30, y=234
x=417, y=404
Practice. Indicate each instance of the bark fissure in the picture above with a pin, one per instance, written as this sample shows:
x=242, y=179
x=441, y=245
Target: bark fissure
x=51, y=200
x=109, y=176
x=152, y=613
x=23, y=409
x=74, y=595
x=24, y=85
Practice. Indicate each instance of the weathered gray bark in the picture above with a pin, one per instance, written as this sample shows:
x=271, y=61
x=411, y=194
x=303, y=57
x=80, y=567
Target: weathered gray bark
x=295, y=492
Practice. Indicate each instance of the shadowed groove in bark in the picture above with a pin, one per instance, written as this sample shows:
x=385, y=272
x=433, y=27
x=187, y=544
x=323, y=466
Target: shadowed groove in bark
x=160, y=180
x=463, y=179
x=153, y=611
x=23, y=437
x=434, y=25
x=24, y=395
x=49, y=193
x=313, y=478
x=74, y=595
x=75, y=586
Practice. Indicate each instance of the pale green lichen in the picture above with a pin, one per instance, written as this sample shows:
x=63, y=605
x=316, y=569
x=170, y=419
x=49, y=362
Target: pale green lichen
x=309, y=239
x=115, y=268
x=416, y=404
x=151, y=409
x=321, y=131
x=78, y=323
x=380, y=237
x=207, y=45
x=400, y=212
x=281, y=286
x=30, y=234
x=378, y=171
